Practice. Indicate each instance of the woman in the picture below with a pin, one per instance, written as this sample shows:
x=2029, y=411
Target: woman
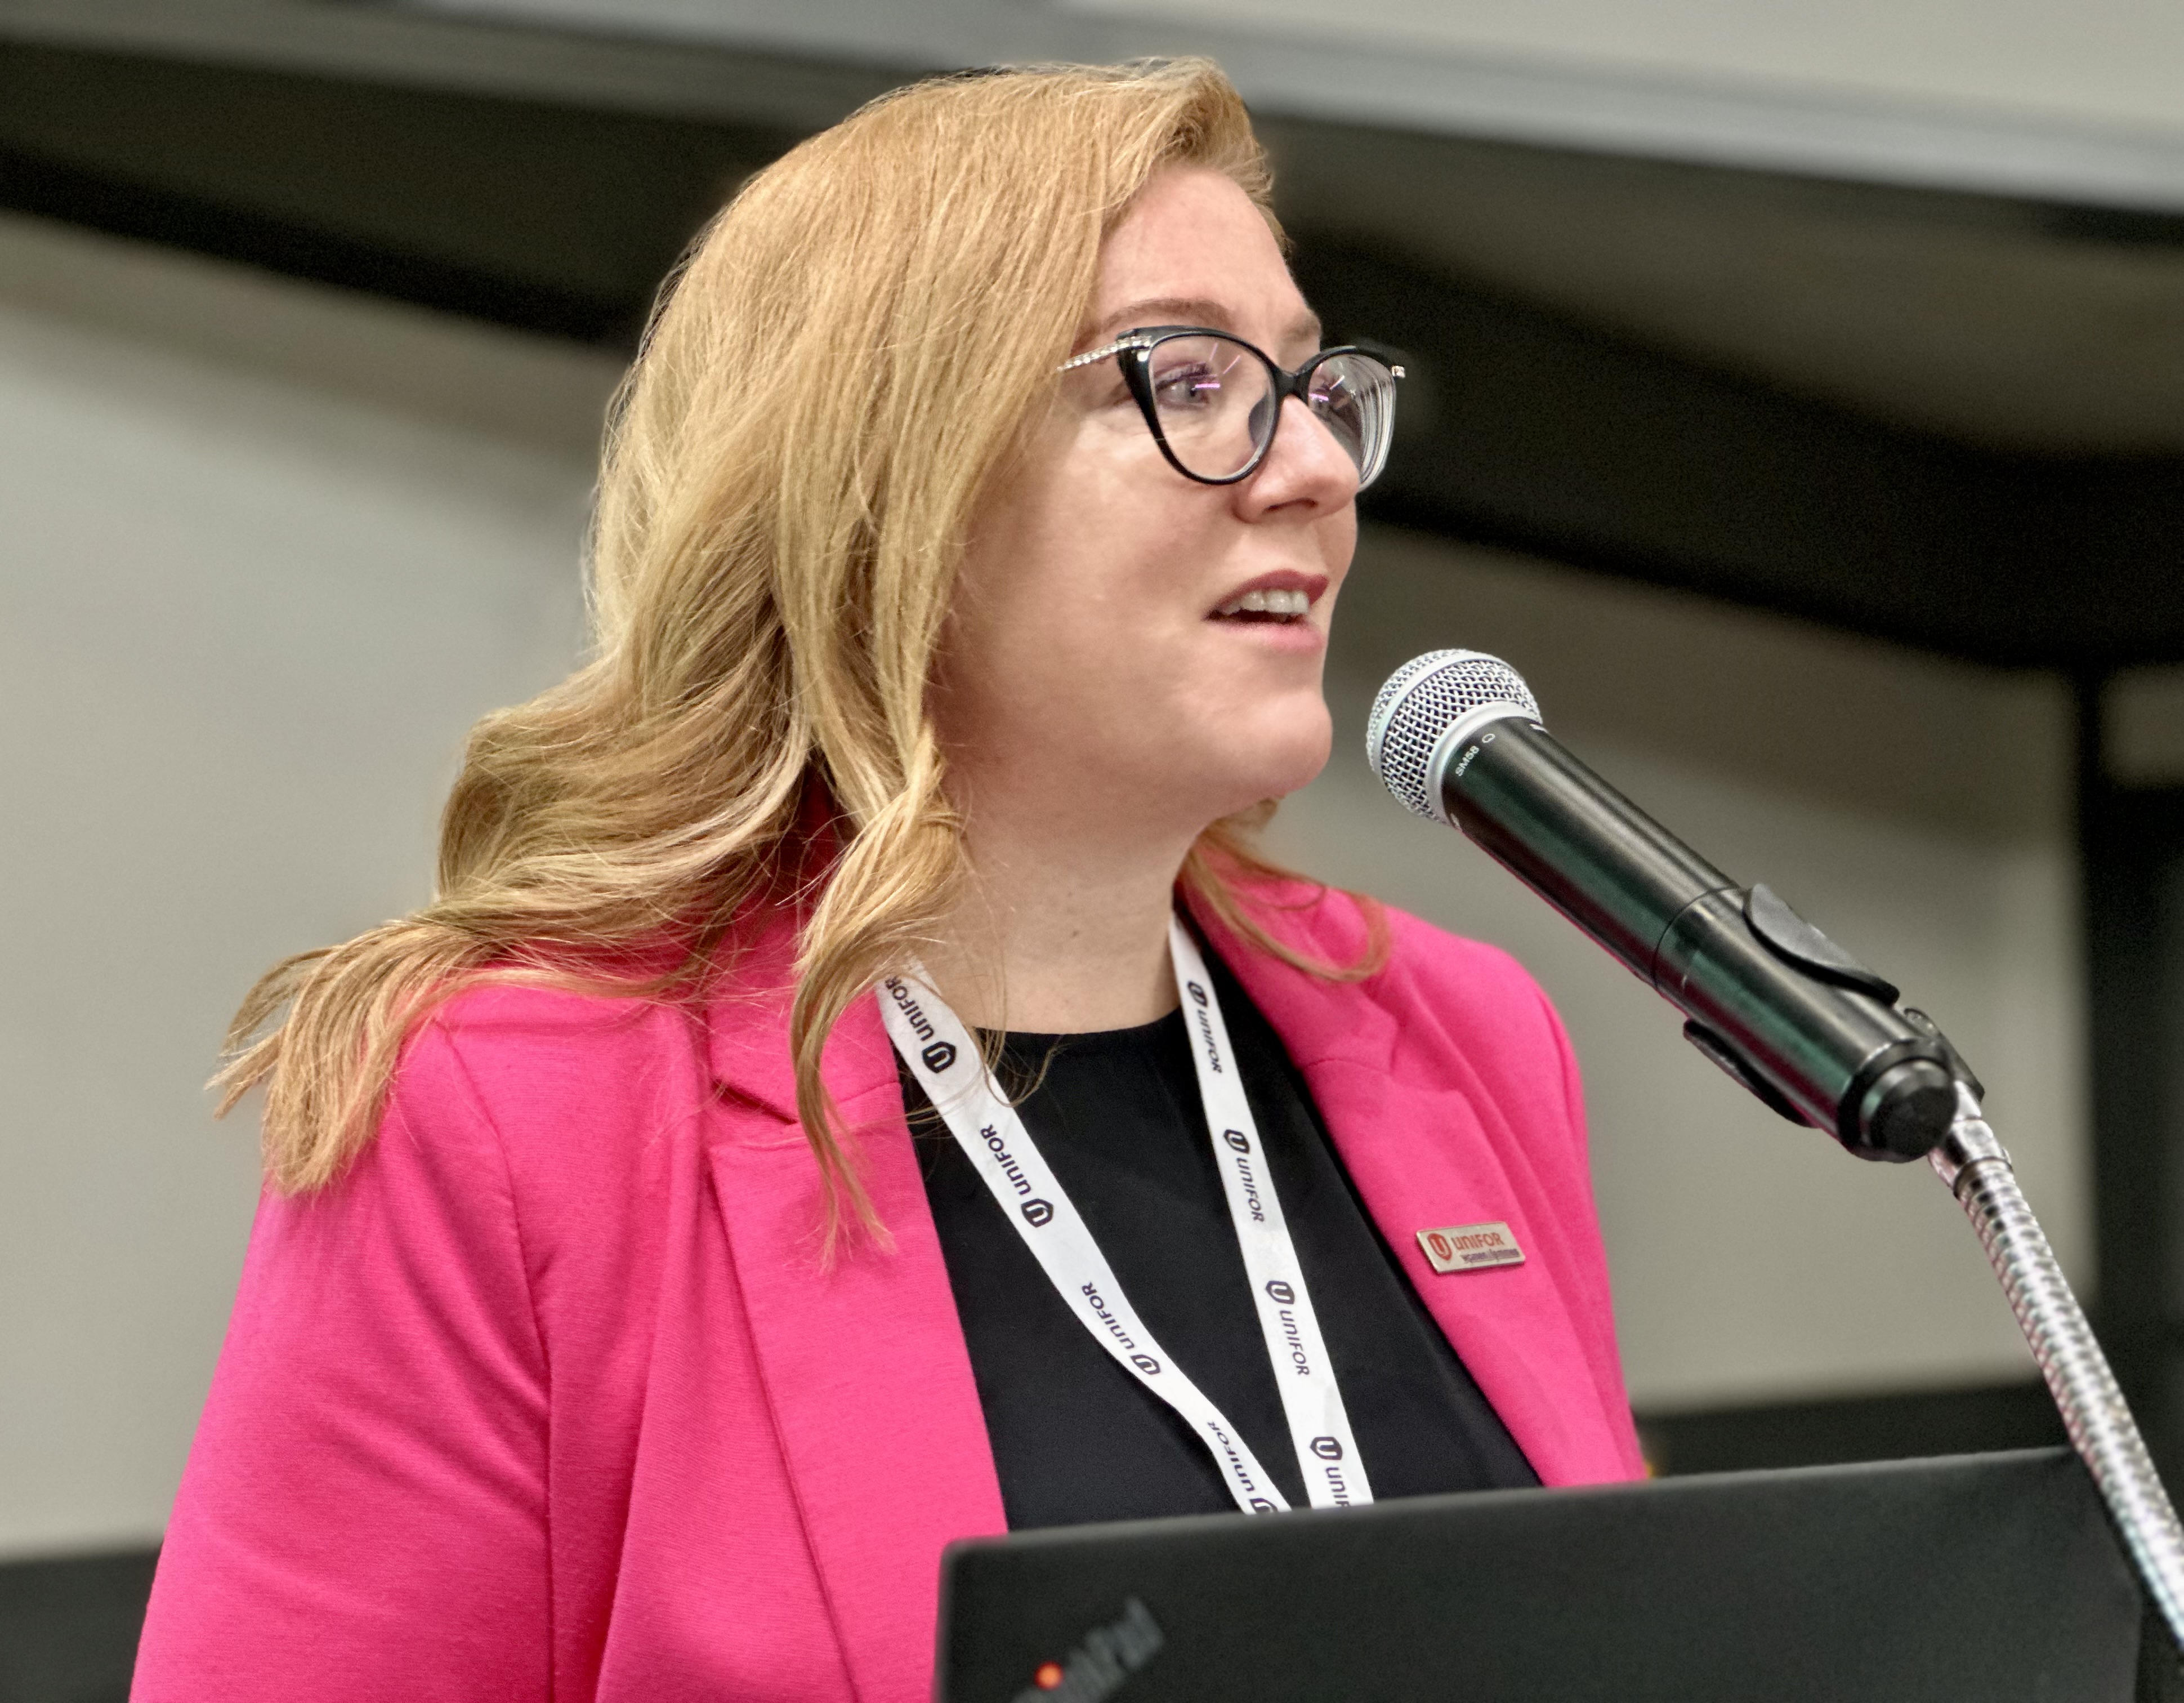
x=962, y=584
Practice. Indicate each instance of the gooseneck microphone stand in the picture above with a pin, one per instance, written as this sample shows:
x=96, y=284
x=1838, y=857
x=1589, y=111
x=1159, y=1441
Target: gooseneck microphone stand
x=1972, y=1162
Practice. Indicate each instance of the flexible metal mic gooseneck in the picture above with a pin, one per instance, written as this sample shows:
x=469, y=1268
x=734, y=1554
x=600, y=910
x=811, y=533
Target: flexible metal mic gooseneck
x=1978, y=1171
x=1458, y=737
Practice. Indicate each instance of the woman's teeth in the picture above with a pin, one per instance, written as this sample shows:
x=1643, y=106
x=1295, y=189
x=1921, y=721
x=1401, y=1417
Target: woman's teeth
x=1282, y=605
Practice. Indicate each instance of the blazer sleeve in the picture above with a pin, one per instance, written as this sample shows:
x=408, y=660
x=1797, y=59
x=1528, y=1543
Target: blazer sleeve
x=364, y=1515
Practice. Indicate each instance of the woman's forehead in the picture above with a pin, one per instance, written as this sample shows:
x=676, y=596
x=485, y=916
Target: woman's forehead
x=1194, y=249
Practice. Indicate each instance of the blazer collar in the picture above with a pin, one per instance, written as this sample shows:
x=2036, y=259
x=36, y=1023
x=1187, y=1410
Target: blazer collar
x=747, y=1018
x=863, y=1362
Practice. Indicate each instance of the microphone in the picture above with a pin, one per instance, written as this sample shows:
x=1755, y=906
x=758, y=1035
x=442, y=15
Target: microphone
x=1457, y=736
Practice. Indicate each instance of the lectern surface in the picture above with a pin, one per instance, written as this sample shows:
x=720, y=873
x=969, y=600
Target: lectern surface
x=1988, y=1578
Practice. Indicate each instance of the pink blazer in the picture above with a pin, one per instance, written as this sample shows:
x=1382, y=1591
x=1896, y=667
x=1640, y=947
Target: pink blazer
x=549, y=1398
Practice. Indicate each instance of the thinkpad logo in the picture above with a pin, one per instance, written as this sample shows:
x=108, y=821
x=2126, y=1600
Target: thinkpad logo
x=1097, y=1667
x=938, y=1056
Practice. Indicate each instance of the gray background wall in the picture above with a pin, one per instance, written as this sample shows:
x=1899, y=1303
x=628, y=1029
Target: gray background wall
x=257, y=576
x=268, y=549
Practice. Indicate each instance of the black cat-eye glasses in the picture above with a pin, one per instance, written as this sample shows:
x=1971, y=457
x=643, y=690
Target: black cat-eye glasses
x=1212, y=401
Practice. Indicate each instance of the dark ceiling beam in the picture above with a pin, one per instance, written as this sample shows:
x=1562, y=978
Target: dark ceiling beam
x=393, y=46
x=822, y=61
x=1523, y=427
x=202, y=225
x=550, y=218
x=1530, y=432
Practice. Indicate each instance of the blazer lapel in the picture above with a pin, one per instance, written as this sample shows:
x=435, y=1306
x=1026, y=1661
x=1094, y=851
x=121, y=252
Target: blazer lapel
x=1421, y=1161
x=1428, y=1155
x=864, y=1363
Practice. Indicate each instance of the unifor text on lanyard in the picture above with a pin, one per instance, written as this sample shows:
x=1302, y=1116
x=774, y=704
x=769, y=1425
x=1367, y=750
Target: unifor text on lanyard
x=943, y=1056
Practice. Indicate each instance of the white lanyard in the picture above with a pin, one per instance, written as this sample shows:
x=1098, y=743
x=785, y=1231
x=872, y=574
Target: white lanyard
x=943, y=1056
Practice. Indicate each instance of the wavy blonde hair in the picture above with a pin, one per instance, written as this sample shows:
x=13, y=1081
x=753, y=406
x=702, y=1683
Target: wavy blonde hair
x=845, y=358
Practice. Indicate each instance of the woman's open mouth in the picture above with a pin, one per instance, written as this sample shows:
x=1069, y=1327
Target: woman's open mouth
x=1265, y=606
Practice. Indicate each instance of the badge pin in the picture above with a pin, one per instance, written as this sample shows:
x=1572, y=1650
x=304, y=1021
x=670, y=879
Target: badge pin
x=1470, y=1247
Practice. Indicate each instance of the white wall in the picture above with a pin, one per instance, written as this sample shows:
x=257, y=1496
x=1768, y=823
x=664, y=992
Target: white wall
x=247, y=610
x=2030, y=98
x=2101, y=62
x=1916, y=810
x=269, y=549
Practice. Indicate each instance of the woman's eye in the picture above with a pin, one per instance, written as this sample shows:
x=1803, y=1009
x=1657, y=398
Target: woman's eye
x=1187, y=388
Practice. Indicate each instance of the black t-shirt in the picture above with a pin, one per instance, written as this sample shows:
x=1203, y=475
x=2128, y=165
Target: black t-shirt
x=1118, y=1117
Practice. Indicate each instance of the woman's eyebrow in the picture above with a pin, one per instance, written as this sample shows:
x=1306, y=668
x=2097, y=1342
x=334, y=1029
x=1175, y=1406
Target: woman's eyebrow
x=1192, y=310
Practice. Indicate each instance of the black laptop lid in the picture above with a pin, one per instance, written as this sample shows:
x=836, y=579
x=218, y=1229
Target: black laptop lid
x=1989, y=1579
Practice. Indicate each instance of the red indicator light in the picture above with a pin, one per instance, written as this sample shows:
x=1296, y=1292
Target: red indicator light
x=1047, y=1676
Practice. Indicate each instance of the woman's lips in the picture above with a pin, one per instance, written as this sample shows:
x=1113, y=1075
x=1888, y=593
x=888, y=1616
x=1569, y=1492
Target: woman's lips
x=1285, y=595
x=1296, y=634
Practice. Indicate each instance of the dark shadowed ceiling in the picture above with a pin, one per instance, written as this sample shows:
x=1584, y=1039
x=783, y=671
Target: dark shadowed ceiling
x=1952, y=419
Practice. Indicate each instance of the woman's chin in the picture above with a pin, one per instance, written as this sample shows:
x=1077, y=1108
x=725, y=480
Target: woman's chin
x=1272, y=766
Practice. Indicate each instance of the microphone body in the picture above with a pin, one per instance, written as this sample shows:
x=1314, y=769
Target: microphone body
x=1768, y=998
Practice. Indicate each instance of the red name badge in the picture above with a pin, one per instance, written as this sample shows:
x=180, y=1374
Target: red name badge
x=1470, y=1247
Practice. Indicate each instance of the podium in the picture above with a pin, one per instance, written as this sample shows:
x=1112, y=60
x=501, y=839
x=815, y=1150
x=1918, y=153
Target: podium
x=1991, y=1578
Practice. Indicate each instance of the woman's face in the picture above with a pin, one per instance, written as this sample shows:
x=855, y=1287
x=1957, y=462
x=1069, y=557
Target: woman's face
x=1090, y=672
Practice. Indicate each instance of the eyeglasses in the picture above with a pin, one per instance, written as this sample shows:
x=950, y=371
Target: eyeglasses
x=1212, y=401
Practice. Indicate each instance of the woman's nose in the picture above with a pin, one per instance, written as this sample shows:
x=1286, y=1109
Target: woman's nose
x=1305, y=465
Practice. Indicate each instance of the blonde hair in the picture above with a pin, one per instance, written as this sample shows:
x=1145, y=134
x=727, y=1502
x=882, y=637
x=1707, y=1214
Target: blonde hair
x=845, y=356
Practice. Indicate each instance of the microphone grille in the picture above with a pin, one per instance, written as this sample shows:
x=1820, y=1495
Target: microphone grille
x=1424, y=699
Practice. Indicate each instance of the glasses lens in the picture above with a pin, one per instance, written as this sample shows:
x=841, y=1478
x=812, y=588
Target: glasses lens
x=1354, y=397
x=1215, y=403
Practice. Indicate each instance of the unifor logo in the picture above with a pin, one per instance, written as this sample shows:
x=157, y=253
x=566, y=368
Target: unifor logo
x=1327, y=1449
x=1197, y=993
x=938, y=1056
x=1238, y=1140
x=1146, y=1364
x=1261, y=1505
x=1280, y=1291
x=1038, y=1211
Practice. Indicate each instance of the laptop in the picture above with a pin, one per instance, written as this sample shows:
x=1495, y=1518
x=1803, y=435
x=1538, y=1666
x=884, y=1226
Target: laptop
x=1988, y=1578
